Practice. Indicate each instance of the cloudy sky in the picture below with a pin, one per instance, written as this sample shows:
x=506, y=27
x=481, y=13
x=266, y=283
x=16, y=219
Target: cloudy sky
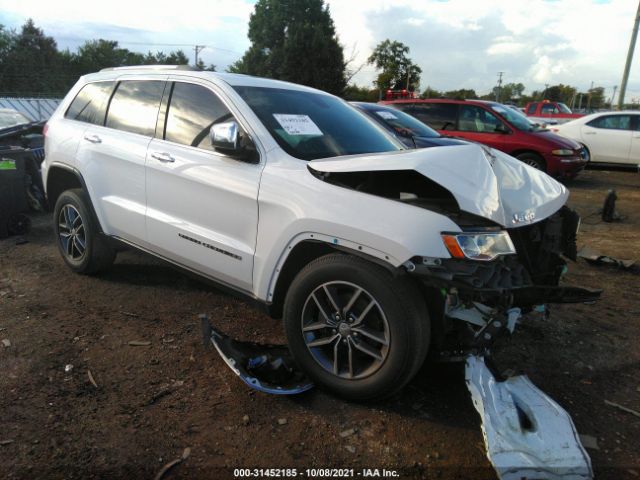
x=457, y=43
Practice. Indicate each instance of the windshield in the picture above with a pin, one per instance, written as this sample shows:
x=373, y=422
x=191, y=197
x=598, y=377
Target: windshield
x=516, y=119
x=402, y=123
x=564, y=108
x=311, y=125
x=12, y=118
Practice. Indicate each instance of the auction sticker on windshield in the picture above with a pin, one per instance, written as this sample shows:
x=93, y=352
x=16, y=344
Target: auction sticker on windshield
x=386, y=115
x=297, y=124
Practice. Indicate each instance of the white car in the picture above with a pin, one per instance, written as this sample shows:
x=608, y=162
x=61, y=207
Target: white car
x=374, y=255
x=610, y=137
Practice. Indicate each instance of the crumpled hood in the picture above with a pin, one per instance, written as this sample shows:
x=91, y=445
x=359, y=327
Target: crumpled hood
x=484, y=181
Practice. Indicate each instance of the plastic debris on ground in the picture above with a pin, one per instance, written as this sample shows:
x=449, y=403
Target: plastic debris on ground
x=595, y=258
x=267, y=368
x=526, y=433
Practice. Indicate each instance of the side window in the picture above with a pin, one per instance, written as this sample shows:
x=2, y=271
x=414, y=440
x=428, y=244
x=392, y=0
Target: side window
x=612, y=122
x=549, y=109
x=404, y=107
x=532, y=108
x=441, y=116
x=134, y=106
x=90, y=104
x=477, y=119
x=193, y=109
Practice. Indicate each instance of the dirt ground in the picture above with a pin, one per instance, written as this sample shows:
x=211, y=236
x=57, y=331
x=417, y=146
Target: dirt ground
x=152, y=402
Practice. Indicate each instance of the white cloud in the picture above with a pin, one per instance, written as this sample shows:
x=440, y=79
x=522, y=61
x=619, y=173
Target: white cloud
x=461, y=43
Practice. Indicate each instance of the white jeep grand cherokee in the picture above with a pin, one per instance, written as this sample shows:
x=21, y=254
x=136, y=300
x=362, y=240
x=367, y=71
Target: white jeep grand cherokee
x=374, y=255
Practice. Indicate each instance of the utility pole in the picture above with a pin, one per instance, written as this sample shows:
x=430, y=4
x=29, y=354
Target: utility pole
x=499, y=86
x=198, y=49
x=615, y=87
x=627, y=66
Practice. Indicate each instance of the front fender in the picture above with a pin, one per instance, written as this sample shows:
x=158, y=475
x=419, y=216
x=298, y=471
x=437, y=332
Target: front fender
x=295, y=206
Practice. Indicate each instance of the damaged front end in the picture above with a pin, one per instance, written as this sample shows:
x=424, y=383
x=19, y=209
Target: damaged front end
x=484, y=299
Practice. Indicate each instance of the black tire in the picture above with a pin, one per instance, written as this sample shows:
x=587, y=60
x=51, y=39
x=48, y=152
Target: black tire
x=398, y=304
x=533, y=160
x=97, y=254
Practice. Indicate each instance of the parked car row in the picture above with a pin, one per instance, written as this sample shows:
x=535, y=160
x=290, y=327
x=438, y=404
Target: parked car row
x=502, y=128
x=374, y=254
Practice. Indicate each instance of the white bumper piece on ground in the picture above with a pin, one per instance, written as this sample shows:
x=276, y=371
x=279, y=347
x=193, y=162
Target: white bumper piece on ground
x=527, y=434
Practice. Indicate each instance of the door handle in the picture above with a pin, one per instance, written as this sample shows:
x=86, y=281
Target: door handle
x=589, y=133
x=636, y=136
x=163, y=157
x=93, y=138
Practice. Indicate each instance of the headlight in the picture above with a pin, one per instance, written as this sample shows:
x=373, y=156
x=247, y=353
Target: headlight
x=563, y=152
x=478, y=246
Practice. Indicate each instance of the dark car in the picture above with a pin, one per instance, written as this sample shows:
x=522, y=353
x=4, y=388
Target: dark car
x=21, y=138
x=17, y=130
x=411, y=132
x=501, y=128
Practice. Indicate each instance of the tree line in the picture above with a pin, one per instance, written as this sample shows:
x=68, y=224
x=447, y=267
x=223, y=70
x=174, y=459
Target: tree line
x=294, y=41
x=31, y=64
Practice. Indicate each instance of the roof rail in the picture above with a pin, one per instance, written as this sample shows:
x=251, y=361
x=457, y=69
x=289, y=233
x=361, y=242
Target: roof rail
x=151, y=67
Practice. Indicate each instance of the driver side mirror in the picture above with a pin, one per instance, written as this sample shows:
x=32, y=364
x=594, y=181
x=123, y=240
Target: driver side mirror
x=224, y=136
x=228, y=138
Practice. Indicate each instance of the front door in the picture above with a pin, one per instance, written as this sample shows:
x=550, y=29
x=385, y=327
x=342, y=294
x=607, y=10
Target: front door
x=202, y=205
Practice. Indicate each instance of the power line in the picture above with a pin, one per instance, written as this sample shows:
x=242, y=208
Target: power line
x=125, y=42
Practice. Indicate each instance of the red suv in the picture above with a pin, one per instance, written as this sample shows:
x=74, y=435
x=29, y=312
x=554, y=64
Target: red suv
x=502, y=128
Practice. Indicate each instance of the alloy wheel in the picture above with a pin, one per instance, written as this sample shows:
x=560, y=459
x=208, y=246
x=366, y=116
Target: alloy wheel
x=71, y=233
x=345, y=330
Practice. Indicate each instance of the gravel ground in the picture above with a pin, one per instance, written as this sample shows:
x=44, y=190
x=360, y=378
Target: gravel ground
x=153, y=401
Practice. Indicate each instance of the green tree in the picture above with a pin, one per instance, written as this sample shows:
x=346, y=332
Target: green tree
x=461, y=94
x=560, y=93
x=31, y=62
x=398, y=71
x=431, y=93
x=508, y=92
x=294, y=41
x=355, y=93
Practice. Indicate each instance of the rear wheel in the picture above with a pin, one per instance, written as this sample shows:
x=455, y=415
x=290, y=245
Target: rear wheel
x=354, y=328
x=78, y=237
x=533, y=160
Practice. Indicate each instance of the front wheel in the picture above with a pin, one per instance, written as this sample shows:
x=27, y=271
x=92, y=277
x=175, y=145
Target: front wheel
x=533, y=160
x=79, y=240
x=354, y=328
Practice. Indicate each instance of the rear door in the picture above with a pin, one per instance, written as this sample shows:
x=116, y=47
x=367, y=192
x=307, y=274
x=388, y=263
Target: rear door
x=608, y=138
x=113, y=157
x=202, y=205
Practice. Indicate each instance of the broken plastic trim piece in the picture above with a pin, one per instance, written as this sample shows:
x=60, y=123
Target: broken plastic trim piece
x=526, y=433
x=267, y=368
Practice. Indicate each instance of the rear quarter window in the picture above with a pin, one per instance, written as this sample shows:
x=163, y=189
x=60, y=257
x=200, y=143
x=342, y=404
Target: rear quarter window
x=90, y=103
x=532, y=109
